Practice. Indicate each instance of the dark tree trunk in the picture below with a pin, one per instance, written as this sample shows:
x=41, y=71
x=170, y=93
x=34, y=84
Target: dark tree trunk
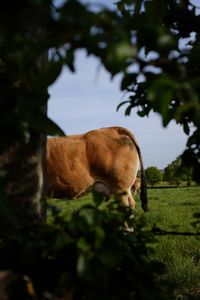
x=23, y=181
x=22, y=169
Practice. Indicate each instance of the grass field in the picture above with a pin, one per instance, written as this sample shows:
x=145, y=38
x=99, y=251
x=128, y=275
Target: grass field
x=172, y=209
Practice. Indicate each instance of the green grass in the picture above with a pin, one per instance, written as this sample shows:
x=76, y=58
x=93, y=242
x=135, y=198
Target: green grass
x=167, y=184
x=172, y=209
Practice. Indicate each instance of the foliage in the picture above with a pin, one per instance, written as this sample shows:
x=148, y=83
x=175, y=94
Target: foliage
x=154, y=44
x=176, y=172
x=145, y=34
x=31, y=29
x=166, y=35
x=172, y=209
x=153, y=175
x=91, y=256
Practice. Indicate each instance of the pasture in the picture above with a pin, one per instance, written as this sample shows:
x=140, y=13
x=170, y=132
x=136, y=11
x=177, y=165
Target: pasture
x=172, y=210
x=177, y=210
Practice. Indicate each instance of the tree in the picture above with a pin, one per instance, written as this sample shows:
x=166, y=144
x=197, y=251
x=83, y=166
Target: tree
x=28, y=31
x=22, y=145
x=145, y=34
x=176, y=172
x=153, y=175
x=171, y=173
x=166, y=39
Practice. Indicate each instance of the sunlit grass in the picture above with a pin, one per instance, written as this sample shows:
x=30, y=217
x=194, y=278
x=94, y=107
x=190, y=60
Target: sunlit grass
x=173, y=210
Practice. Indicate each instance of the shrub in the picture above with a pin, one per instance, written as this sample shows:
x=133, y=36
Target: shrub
x=153, y=175
x=90, y=256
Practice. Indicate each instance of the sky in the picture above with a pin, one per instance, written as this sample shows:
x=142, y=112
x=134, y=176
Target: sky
x=87, y=99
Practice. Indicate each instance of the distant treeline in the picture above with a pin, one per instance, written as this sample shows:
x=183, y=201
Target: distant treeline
x=174, y=175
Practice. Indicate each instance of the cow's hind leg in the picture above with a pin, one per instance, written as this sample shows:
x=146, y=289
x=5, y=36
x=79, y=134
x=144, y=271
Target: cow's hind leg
x=127, y=199
x=131, y=200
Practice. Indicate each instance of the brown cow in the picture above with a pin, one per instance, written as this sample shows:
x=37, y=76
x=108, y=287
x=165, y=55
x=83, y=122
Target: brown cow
x=136, y=187
x=106, y=159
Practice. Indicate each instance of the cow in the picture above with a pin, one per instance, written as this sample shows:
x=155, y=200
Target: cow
x=136, y=187
x=106, y=159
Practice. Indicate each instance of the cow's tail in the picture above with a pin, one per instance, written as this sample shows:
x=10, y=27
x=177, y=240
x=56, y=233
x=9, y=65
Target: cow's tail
x=143, y=194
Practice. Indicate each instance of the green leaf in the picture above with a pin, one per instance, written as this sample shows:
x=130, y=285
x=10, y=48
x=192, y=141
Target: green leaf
x=41, y=123
x=122, y=103
x=97, y=197
x=156, y=10
x=88, y=216
x=99, y=237
x=62, y=240
x=128, y=110
x=83, y=245
x=161, y=93
x=141, y=113
x=48, y=74
x=69, y=60
x=81, y=265
x=186, y=128
x=120, y=6
x=128, y=80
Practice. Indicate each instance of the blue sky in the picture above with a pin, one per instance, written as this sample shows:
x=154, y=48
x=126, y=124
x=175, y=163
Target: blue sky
x=87, y=99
